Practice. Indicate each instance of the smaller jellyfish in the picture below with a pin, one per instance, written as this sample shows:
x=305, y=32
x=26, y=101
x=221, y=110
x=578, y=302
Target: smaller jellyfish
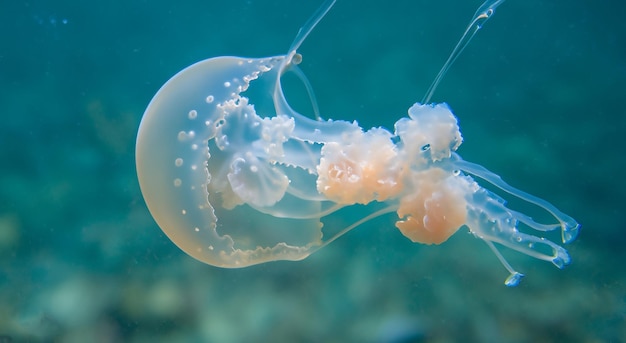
x=235, y=177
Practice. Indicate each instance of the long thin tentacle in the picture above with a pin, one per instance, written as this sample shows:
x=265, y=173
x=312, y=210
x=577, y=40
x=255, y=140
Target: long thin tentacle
x=484, y=12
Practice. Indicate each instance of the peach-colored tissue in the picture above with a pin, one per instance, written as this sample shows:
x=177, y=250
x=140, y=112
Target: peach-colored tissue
x=359, y=172
x=435, y=209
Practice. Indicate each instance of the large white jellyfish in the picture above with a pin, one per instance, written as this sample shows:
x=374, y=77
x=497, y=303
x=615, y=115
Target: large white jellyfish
x=236, y=180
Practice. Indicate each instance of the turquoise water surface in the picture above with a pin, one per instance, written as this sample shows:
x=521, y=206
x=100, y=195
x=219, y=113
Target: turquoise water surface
x=538, y=94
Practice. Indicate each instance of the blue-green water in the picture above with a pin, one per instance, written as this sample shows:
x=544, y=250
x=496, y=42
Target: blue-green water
x=539, y=97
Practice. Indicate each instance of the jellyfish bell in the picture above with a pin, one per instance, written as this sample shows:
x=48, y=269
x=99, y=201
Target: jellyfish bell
x=235, y=177
x=186, y=164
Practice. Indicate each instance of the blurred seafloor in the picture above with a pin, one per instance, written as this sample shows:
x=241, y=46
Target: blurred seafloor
x=539, y=94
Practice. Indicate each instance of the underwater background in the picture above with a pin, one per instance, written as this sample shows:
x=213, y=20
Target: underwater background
x=539, y=95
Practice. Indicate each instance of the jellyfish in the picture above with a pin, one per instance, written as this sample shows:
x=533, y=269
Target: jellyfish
x=234, y=176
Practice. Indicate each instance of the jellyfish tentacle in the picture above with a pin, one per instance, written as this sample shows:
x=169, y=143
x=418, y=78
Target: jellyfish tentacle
x=514, y=277
x=569, y=227
x=484, y=12
x=309, y=89
x=304, y=31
